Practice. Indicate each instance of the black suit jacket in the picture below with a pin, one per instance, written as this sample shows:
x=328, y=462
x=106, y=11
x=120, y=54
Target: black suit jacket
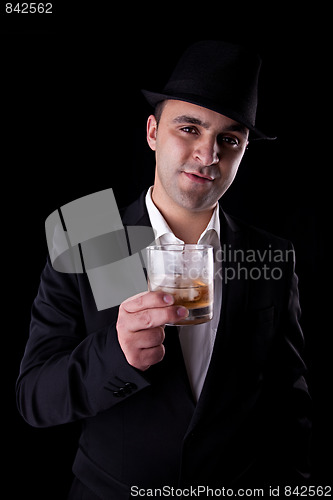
x=251, y=424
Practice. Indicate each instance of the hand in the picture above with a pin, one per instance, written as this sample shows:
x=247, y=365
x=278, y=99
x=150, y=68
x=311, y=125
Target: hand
x=140, y=327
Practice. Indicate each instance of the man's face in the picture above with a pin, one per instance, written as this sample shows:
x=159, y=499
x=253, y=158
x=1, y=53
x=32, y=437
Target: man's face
x=198, y=152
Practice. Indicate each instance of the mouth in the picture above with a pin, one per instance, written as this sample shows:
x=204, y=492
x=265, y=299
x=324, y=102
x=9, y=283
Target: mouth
x=199, y=178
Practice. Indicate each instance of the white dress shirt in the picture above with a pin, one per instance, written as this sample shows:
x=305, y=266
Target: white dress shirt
x=197, y=341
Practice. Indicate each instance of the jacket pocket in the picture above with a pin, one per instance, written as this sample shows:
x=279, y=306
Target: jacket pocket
x=98, y=480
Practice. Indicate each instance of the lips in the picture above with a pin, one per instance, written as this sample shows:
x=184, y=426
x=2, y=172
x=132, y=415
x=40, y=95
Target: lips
x=199, y=178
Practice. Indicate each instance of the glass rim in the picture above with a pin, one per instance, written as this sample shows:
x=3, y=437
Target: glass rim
x=179, y=247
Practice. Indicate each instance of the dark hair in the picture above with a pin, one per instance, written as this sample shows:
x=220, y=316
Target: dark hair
x=158, y=110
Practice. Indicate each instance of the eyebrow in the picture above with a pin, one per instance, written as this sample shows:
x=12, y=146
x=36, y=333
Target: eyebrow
x=236, y=127
x=192, y=120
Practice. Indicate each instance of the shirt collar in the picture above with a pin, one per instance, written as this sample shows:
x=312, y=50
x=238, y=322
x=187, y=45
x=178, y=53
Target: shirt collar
x=164, y=235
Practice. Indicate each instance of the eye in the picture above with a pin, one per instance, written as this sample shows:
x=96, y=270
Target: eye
x=189, y=130
x=233, y=141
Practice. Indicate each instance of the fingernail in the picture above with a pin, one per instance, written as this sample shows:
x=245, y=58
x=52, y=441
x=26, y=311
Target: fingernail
x=168, y=299
x=182, y=312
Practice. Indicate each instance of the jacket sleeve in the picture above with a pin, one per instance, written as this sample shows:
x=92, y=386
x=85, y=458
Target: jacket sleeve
x=67, y=372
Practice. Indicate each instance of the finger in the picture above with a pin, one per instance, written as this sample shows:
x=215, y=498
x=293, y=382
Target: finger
x=151, y=356
x=147, y=300
x=151, y=318
x=147, y=339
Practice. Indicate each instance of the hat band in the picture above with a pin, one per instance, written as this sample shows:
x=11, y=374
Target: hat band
x=206, y=102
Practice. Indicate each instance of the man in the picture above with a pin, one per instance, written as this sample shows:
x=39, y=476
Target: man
x=222, y=404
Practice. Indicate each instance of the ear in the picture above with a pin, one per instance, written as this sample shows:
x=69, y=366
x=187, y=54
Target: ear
x=152, y=132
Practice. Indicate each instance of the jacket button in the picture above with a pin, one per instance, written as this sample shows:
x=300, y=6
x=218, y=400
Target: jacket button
x=129, y=387
x=120, y=393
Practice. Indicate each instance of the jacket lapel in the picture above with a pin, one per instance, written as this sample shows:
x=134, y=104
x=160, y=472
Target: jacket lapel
x=136, y=214
x=234, y=300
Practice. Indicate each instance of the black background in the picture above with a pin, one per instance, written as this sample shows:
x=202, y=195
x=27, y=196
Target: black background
x=73, y=123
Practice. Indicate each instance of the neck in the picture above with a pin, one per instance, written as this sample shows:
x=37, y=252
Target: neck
x=185, y=224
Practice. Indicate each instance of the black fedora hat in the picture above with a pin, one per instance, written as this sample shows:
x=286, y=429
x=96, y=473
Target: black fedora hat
x=217, y=75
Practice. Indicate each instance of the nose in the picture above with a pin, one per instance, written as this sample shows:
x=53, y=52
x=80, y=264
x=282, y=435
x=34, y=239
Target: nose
x=207, y=152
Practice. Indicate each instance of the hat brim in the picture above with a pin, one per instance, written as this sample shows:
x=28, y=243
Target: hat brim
x=153, y=98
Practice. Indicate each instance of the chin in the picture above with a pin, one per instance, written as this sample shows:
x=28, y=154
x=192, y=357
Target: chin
x=196, y=205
